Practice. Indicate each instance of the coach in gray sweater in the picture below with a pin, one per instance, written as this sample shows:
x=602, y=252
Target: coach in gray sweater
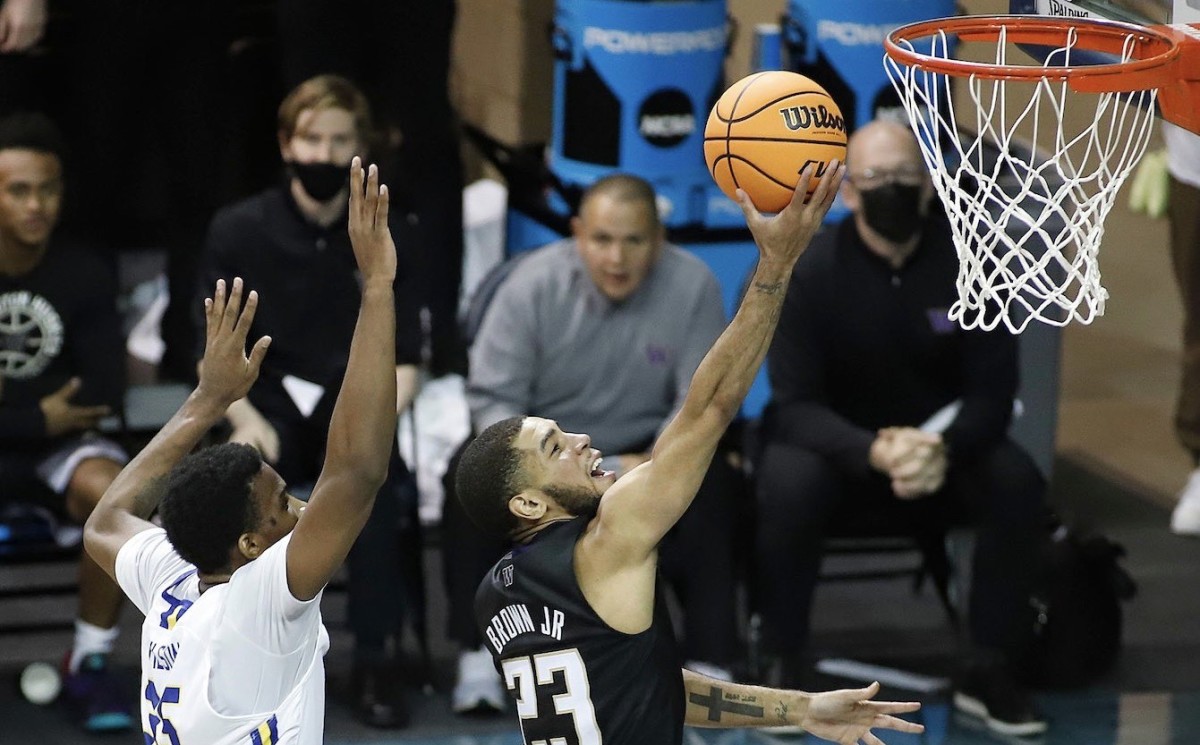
x=601, y=333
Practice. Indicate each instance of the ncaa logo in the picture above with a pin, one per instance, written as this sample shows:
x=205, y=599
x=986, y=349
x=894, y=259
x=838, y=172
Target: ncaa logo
x=506, y=574
x=666, y=118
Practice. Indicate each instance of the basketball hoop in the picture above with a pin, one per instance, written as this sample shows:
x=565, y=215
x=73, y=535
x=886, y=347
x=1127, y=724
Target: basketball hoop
x=1027, y=193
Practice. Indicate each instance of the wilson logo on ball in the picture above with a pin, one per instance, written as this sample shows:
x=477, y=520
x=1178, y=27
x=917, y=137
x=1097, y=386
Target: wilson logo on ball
x=811, y=117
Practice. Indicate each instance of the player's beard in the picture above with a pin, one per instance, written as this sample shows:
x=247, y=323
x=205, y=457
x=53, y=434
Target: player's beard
x=577, y=500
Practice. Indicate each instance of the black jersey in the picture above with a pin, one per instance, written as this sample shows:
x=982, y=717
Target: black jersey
x=572, y=675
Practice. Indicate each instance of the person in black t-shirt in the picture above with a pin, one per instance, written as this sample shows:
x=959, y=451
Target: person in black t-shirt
x=885, y=410
x=574, y=615
x=290, y=243
x=62, y=369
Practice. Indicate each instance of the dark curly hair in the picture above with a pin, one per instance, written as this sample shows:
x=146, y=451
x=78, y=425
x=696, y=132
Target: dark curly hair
x=209, y=504
x=488, y=476
x=32, y=131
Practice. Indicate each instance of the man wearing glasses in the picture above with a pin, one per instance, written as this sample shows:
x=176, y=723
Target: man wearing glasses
x=884, y=412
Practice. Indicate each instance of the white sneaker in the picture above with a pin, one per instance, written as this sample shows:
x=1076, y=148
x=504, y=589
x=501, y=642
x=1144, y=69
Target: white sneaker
x=479, y=688
x=1185, y=520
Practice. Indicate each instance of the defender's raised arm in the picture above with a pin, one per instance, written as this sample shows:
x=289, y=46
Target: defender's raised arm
x=362, y=431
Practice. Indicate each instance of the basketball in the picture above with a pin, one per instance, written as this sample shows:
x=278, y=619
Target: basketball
x=765, y=129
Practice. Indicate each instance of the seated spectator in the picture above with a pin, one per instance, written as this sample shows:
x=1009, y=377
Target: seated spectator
x=62, y=369
x=602, y=332
x=290, y=243
x=864, y=355
x=400, y=54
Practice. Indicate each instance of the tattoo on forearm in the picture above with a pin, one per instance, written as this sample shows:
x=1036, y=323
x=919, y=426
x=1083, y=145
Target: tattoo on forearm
x=781, y=710
x=718, y=701
x=769, y=288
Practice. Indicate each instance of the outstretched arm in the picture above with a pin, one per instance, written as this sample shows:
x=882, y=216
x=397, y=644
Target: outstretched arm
x=655, y=495
x=226, y=374
x=362, y=431
x=845, y=716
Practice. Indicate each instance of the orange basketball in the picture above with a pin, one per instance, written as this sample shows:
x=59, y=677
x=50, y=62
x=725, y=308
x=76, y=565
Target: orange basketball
x=765, y=129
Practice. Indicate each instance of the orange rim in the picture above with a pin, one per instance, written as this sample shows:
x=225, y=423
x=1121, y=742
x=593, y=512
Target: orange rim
x=1154, y=51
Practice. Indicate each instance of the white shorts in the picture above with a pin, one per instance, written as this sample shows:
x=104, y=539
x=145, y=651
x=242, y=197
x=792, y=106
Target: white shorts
x=56, y=468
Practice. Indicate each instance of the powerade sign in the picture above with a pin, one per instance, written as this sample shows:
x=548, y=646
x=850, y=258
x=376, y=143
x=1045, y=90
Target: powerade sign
x=633, y=83
x=840, y=45
x=618, y=41
x=853, y=34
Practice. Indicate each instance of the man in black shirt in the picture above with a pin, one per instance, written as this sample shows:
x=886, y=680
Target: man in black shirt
x=290, y=243
x=864, y=358
x=62, y=368
x=574, y=615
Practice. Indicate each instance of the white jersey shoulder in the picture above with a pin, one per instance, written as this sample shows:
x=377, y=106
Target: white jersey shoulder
x=241, y=663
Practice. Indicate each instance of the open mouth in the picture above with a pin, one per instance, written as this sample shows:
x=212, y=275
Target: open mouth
x=597, y=471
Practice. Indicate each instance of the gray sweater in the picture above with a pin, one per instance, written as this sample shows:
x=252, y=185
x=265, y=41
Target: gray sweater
x=552, y=345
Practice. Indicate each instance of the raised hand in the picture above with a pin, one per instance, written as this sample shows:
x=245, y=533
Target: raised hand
x=369, y=234
x=782, y=238
x=226, y=372
x=848, y=716
x=62, y=416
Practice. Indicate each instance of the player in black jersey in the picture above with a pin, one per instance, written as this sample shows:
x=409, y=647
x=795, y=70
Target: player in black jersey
x=573, y=614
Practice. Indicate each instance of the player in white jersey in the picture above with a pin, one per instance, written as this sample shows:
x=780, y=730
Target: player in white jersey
x=233, y=644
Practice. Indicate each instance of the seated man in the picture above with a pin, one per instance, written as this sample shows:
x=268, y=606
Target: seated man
x=602, y=333
x=290, y=243
x=864, y=355
x=62, y=368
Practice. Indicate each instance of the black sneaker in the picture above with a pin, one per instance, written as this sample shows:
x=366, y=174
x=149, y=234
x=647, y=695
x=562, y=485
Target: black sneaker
x=990, y=693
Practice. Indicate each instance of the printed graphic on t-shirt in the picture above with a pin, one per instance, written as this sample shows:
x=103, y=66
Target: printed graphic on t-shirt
x=31, y=334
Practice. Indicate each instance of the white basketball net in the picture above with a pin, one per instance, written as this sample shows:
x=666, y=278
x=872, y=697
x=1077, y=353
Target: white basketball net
x=1027, y=214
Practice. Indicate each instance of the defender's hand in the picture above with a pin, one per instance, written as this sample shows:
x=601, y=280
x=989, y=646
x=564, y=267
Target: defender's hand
x=848, y=716
x=226, y=372
x=369, y=235
x=782, y=238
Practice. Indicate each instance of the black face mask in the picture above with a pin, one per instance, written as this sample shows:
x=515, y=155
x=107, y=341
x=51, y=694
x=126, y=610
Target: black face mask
x=321, y=181
x=893, y=211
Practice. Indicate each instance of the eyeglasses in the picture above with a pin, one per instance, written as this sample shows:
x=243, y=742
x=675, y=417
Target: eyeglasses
x=869, y=178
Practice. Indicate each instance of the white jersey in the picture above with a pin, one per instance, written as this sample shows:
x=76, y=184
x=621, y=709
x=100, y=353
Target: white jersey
x=242, y=664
